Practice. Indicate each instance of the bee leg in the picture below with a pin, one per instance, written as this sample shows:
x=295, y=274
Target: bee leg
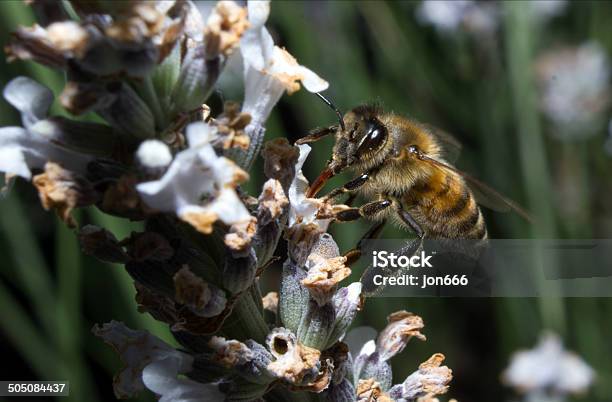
x=366, y=210
x=316, y=135
x=355, y=253
x=349, y=186
x=409, y=220
x=349, y=201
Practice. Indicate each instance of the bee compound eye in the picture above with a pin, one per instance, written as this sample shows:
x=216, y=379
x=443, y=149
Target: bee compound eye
x=374, y=139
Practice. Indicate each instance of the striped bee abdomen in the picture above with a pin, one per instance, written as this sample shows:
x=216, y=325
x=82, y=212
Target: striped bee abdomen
x=446, y=208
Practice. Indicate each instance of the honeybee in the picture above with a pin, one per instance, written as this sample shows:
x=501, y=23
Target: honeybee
x=405, y=168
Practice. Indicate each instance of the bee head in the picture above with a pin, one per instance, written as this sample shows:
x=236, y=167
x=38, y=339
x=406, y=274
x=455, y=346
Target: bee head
x=362, y=140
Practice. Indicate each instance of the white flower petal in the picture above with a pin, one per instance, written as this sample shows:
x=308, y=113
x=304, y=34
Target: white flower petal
x=445, y=15
x=161, y=378
x=13, y=161
x=229, y=208
x=137, y=350
x=302, y=209
x=574, y=89
x=256, y=47
x=548, y=366
x=32, y=99
x=154, y=154
x=199, y=133
x=368, y=348
x=286, y=68
x=258, y=12
x=36, y=150
x=197, y=174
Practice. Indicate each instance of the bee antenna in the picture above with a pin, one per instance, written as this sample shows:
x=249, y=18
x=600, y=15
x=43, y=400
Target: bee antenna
x=334, y=108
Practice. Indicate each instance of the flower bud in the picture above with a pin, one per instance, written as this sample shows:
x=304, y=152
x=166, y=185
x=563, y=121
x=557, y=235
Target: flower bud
x=238, y=389
x=62, y=190
x=293, y=296
x=280, y=158
x=229, y=352
x=240, y=237
x=270, y=219
x=344, y=391
x=196, y=80
x=129, y=113
x=346, y=303
x=369, y=365
x=316, y=325
x=239, y=272
x=323, y=276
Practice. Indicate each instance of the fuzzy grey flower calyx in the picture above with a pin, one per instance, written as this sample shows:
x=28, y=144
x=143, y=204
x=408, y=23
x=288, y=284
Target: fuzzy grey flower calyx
x=294, y=296
x=429, y=380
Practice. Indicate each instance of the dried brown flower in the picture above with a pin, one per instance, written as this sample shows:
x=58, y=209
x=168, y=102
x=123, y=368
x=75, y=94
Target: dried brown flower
x=240, y=235
x=293, y=362
x=62, y=191
x=324, y=275
x=224, y=28
x=270, y=301
x=202, y=298
x=229, y=352
x=369, y=390
x=279, y=160
x=230, y=126
x=401, y=328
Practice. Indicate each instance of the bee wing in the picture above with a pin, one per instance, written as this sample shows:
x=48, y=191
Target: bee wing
x=483, y=194
x=451, y=147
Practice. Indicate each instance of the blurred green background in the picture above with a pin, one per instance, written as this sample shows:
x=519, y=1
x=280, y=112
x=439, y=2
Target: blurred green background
x=479, y=86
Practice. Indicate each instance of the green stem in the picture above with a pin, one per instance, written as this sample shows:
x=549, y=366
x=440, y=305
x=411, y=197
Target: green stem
x=519, y=34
